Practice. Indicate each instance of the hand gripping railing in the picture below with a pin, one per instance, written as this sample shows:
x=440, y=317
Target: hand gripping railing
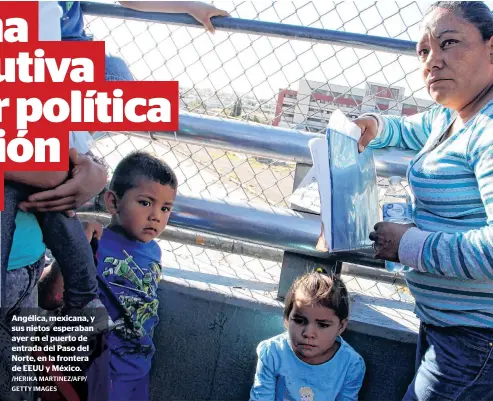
x=268, y=226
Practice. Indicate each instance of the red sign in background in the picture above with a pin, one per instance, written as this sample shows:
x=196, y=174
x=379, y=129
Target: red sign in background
x=47, y=90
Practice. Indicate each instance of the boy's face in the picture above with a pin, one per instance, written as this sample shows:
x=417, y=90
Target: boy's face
x=144, y=210
x=312, y=331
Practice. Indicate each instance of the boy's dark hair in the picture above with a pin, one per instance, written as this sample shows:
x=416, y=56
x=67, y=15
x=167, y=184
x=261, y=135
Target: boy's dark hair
x=138, y=165
x=319, y=288
x=474, y=12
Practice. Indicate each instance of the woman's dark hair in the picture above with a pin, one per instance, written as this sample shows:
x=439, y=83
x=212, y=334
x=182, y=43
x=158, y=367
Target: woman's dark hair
x=319, y=288
x=474, y=12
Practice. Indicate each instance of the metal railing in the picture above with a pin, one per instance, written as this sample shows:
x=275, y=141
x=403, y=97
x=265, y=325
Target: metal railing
x=250, y=167
x=266, y=141
x=239, y=25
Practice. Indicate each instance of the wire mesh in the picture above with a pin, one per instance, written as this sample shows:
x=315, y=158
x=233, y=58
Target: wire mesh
x=264, y=80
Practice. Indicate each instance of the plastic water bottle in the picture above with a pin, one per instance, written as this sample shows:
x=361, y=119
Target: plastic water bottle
x=397, y=208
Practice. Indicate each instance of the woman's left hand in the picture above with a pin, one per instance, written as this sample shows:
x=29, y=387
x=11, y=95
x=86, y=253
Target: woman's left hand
x=387, y=237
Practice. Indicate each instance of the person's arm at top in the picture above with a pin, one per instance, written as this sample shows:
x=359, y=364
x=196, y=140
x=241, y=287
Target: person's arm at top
x=202, y=12
x=410, y=132
x=469, y=254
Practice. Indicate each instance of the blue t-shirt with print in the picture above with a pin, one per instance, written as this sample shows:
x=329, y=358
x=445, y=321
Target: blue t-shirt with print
x=282, y=376
x=72, y=22
x=130, y=272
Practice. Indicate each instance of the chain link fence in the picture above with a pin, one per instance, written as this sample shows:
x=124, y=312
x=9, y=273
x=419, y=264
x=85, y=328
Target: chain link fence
x=264, y=80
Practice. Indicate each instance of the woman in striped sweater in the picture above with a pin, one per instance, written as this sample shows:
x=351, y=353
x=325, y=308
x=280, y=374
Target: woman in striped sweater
x=450, y=246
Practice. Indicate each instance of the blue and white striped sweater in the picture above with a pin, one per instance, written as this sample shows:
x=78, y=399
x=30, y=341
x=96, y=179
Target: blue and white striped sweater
x=452, y=247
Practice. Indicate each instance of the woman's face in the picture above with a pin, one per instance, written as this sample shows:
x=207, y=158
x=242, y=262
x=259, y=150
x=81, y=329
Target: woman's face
x=456, y=63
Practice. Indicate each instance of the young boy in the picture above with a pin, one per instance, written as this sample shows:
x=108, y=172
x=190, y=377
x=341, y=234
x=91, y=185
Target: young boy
x=140, y=198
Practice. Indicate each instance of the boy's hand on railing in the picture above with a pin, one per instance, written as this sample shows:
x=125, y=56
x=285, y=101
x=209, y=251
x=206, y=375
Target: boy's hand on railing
x=369, y=129
x=203, y=13
x=88, y=178
x=93, y=229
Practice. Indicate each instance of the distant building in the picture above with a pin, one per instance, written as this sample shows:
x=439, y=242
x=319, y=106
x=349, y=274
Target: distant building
x=309, y=108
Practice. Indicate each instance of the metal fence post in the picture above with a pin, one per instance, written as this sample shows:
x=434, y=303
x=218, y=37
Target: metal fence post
x=294, y=265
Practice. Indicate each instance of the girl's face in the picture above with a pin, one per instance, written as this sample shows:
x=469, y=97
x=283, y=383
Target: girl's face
x=313, y=330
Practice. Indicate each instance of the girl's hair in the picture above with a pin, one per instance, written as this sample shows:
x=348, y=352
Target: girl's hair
x=474, y=12
x=319, y=288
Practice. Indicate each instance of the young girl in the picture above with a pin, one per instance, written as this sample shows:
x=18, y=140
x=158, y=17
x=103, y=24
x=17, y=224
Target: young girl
x=310, y=362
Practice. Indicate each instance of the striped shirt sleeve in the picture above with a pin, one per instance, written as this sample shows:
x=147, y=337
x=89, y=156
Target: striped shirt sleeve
x=410, y=132
x=469, y=254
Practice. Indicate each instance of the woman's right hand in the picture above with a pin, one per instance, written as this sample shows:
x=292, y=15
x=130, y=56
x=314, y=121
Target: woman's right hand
x=369, y=129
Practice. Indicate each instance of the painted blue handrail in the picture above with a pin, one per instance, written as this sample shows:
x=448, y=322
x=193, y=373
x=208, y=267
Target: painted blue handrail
x=271, y=29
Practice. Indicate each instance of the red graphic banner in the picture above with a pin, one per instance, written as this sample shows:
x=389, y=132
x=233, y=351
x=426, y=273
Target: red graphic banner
x=50, y=88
